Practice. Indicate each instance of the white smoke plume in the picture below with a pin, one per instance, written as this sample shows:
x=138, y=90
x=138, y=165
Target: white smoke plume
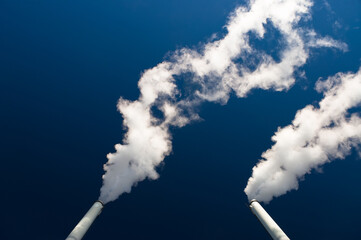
x=317, y=135
x=221, y=66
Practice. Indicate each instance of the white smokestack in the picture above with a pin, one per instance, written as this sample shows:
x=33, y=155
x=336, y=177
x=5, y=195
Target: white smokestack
x=84, y=224
x=317, y=135
x=220, y=67
x=268, y=223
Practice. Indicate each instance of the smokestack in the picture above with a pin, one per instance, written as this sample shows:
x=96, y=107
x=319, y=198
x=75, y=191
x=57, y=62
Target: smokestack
x=85, y=223
x=268, y=223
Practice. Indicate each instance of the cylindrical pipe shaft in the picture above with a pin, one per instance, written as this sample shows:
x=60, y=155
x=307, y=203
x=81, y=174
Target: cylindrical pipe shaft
x=269, y=224
x=85, y=223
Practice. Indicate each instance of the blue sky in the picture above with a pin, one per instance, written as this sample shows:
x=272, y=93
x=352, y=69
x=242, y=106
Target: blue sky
x=63, y=67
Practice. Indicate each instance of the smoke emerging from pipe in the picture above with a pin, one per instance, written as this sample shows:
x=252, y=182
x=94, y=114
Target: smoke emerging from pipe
x=229, y=64
x=317, y=135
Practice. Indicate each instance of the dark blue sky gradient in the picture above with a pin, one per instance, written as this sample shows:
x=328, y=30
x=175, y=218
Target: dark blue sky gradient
x=63, y=66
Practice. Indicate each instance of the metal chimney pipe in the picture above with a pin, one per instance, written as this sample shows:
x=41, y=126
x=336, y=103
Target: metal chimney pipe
x=85, y=223
x=269, y=224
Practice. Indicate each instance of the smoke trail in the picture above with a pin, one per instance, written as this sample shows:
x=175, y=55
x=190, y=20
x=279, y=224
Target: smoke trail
x=210, y=74
x=316, y=136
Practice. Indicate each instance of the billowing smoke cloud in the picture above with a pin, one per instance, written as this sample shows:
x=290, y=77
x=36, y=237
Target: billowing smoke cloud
x=221, y=66
x=317, y=135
